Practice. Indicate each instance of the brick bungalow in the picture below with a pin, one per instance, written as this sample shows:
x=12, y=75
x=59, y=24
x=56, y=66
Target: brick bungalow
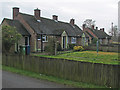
x=20, y=29
x=41, y=29
x=101, y=35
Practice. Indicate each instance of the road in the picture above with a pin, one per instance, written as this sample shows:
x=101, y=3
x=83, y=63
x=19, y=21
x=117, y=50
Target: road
x=12, y=80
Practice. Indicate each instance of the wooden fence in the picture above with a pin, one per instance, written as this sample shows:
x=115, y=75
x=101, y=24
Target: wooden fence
x=100, y=74
x=104, y=48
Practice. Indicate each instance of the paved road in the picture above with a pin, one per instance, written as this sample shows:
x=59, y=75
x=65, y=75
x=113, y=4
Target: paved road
x=12, y=80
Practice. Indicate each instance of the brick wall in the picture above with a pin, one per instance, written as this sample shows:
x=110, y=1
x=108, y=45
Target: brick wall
x=22, y=41
x=31, y=31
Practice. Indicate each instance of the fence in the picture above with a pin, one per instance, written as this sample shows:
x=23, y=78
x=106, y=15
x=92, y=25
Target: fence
x=105, y=48
x=100, y=74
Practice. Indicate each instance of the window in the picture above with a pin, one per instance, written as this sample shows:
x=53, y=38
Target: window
x=45, y=38
x=100, y=41
x=38, y=20
x=39, y=38
x=73, y=40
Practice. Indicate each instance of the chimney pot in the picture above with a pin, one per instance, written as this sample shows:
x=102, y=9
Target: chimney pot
x=37, y=13
x=102, y=29
x=84, y=26
x=15, y=12
x=96, y=28
x=55, y=17
x=72, y=21
x=93, y=26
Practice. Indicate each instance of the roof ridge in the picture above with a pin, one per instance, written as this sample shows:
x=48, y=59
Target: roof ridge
x=26, y=14
x=46, y=18
x=8, y=19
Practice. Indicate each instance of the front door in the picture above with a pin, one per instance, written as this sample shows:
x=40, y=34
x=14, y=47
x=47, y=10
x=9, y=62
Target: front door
x=64, y=42
x=26, y=40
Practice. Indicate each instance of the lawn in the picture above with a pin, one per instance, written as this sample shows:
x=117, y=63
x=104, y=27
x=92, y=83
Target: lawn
x=88, y=56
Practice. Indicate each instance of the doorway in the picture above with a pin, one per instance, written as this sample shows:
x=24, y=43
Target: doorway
x=64, y=42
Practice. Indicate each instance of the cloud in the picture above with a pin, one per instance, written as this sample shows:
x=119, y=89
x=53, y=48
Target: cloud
x=103, y=11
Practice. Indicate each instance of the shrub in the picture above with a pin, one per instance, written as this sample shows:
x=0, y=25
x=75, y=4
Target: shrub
x=50, y=47
x=78, y=48
x=86, y=48
x=59, y=48
x=94, y=41
x=71, y=46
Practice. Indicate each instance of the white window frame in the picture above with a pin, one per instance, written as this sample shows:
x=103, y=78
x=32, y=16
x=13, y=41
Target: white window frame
x=45, y=38
x=72, y=40
x=100, y=41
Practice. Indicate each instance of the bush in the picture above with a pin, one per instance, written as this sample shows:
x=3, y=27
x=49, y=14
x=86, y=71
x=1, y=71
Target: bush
x=86, y=47
x=71, y=46
x=78, y=48
x=94, y=41
x=59, y=48
x=50, y=48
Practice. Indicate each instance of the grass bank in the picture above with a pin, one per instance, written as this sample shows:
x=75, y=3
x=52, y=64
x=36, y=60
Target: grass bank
x=51, y=78
x=88, y=56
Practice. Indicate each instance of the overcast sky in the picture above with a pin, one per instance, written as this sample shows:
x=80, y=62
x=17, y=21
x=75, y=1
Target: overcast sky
x=102, y=11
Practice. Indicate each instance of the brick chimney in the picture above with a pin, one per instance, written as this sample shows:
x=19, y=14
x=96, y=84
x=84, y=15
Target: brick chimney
x=72, y=21
x=37, y=13
x=15, y=12
x=102, y=29
x=93, y=26
x=83, y=26
x=55, y=17
x=96, y=28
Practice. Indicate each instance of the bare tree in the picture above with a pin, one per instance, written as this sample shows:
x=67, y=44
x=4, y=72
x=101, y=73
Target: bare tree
x=89, y=23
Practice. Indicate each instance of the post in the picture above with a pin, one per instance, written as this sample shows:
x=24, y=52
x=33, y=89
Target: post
x=97, y=45
x=55, y=48
x=41, y=43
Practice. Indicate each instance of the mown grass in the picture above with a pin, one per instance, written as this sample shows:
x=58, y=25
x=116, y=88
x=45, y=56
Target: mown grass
x=51, y=78
x=89, y=56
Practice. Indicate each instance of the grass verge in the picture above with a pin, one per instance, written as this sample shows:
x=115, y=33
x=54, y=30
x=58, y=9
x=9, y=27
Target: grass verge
x=51, y=78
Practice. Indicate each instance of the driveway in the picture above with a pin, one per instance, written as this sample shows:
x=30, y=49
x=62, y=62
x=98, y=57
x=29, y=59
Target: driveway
x=12, y=80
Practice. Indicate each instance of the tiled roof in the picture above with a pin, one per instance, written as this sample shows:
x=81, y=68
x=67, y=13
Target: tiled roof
x=20, y=28
x=51, y=27
x=100, y=34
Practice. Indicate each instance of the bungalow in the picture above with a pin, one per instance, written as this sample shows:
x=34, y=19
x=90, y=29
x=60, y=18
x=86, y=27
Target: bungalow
x=101, y=35
x=41, y=29
x=20, y=29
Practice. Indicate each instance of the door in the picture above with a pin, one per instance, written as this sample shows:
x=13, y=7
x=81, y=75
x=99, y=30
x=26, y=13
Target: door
x=64, y=42
x=26, y=40
x=27, y=49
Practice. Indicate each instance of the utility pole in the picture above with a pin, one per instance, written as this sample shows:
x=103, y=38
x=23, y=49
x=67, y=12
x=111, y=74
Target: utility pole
x=112, y=29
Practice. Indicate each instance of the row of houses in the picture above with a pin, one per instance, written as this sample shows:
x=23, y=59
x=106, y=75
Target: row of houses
x=37, y=31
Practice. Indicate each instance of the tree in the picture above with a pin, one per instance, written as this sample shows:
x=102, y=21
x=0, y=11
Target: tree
x=10, y=36
x=89, y=23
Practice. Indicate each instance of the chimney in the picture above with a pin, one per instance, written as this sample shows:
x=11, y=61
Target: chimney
x=37, y=13
x=15, y=12
x=96, y=28
x=55, y=17
x=102, y=29
x=83, y=26
x=92, y=26
x=72, y=21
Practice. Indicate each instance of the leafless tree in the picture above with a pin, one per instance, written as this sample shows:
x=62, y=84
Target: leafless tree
x=89, y=23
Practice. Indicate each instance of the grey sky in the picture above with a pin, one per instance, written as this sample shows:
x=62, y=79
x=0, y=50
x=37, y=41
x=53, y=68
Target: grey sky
x=102, y=11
